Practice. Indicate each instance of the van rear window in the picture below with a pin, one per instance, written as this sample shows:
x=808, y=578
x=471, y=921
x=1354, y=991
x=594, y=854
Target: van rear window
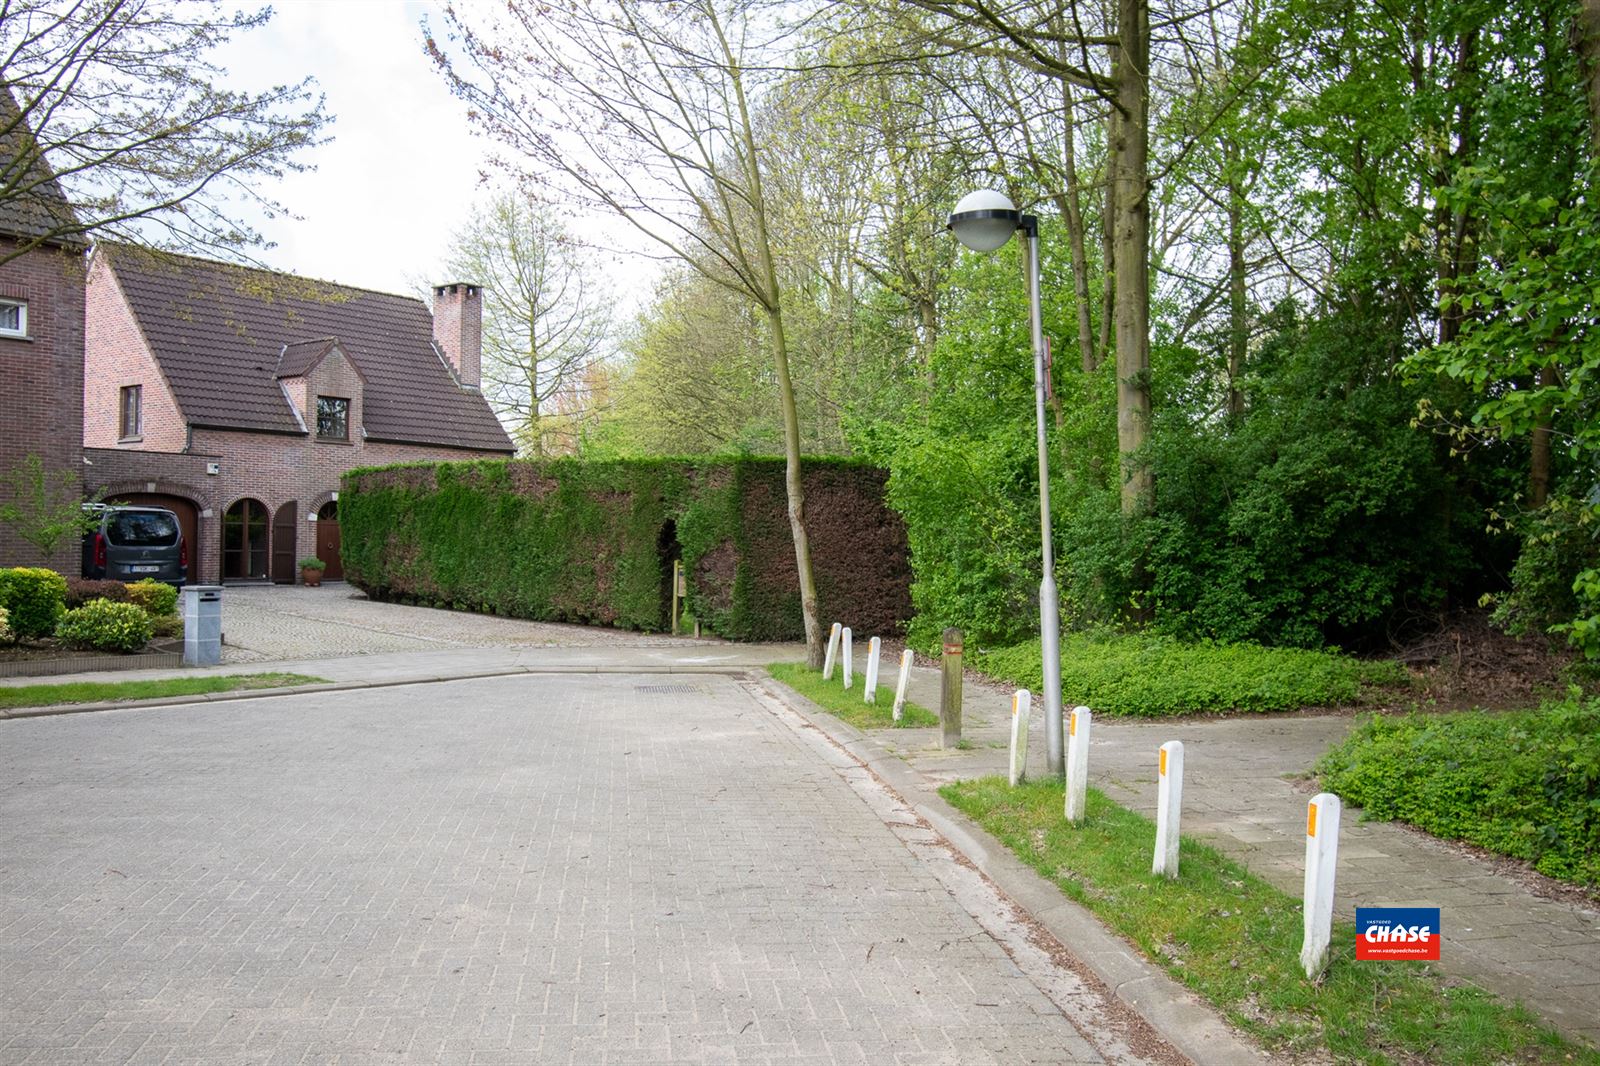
x=142, y=529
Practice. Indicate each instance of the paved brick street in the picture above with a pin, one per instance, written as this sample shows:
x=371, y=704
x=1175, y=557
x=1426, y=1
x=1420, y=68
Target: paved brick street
x=276, y=622
x=531, y=869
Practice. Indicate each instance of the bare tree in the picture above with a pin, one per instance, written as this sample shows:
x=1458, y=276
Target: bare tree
x=117, y=100
x=649, y=111
x=543, y=319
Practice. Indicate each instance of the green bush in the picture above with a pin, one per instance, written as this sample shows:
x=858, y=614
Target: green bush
x=593, y=542
x=34, y=598
x=102, y=625
x=80, y=590
x=157, y=598
x=1524, y=784
x=1152, y=676
x=6, y=636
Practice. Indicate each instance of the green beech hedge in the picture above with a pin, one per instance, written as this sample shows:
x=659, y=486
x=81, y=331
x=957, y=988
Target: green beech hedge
x=592, y=542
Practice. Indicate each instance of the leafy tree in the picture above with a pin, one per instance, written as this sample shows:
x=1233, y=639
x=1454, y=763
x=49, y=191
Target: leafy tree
x=544, y=323
x=650, y=111
x=43, y=506
x=118, y=100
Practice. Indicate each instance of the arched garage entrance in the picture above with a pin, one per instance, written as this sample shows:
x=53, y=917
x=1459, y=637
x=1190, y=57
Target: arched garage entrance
x=188, y=520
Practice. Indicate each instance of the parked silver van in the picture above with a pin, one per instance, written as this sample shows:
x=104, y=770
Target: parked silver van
x=134, y=543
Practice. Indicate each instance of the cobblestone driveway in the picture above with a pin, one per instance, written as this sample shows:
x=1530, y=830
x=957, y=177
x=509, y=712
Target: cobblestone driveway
x=263, y=623
x=535, y=869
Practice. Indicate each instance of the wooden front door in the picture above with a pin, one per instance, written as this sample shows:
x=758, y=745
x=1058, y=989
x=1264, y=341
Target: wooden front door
x=284, y=562
x=328, y=540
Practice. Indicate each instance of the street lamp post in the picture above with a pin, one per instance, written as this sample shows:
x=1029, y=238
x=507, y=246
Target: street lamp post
x=983, y=221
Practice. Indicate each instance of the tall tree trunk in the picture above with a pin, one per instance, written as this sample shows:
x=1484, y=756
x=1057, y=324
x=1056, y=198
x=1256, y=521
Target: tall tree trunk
x=1586, y=35
x=1130, y=161
x=1108, y=244
x=1238, y=327
x=1072, y=209
x=773, y=305
x=1539, y=461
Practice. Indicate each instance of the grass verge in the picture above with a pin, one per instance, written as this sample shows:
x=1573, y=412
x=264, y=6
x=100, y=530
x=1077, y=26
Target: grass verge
x=1525, y=784
x=846, y=705
x=101, y=691
x=1235, y=940
x=1152, y=676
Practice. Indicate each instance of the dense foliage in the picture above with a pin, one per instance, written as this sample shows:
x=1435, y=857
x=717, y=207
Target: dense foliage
x=1523, y=784
x=1152, y=676
x=157, y=598
x=1370, y=352
x=103, y=625
x=594, y=542
x=34, y=598
x=80, y=590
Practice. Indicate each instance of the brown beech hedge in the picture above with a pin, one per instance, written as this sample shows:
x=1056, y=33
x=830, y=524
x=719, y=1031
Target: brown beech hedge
x=593, y=542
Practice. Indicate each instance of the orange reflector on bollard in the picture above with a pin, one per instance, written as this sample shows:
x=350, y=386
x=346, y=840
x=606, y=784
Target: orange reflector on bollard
x=1072, y=725
x=1163, y=754
x=1311, y=819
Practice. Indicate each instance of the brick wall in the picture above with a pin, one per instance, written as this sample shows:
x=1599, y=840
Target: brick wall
x=271, y=468
x=117, y=355
x=41, y=402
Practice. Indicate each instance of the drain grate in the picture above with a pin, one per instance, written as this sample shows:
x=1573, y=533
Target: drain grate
x=670, y=690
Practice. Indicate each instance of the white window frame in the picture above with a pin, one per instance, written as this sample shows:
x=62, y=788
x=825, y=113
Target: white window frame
x=22, y=317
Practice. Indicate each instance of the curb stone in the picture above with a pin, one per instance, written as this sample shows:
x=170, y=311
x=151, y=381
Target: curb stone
x=1189, y=1024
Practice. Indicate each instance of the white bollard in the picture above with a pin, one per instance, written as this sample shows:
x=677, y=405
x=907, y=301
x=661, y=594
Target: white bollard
x=1169, y=808
x=870, y=689
x=1077, y=763
x=833, y=653
x=1322, y=859
x=849, y=655
x=900, y=686
x=1021, y=704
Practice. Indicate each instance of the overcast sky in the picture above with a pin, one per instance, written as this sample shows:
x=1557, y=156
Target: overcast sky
x=403, y=169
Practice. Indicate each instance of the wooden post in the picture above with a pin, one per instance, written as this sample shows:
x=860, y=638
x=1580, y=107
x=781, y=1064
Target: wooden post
x=677, y=577
x=1322, y=860
x=1077, y=763
x=869, y=692
x=950, y=690
x=1021, y=704
x=833, y=653
x=1169, y=808
x=900, y=687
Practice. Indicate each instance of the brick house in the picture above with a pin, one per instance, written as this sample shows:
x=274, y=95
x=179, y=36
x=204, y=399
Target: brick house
x=239, y=397
x=41, y=329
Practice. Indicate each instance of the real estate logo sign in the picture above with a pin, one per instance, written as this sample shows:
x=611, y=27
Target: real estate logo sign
x=1397, y=933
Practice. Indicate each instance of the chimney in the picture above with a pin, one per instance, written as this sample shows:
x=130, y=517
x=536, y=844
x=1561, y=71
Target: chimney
x=458, y=329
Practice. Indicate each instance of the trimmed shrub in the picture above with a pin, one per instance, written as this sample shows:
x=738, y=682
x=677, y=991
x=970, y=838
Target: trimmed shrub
x=80, y=590
x=1525, y=784
x=1152, y=676
x=101, y=625
x=34, y=598
x=6, y=636
x=156, y=597
x=593, y=542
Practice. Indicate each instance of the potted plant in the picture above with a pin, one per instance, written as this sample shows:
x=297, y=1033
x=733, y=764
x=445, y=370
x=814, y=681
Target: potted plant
x=311, y=569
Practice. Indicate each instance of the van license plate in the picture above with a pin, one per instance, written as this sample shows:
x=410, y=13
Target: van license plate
x=144, y=569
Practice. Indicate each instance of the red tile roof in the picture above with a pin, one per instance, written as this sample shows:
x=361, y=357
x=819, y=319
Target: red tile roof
x=224, y=334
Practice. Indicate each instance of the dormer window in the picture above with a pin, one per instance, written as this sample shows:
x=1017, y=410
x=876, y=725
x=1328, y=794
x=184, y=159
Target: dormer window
x=13, y=318
x=333, y=418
